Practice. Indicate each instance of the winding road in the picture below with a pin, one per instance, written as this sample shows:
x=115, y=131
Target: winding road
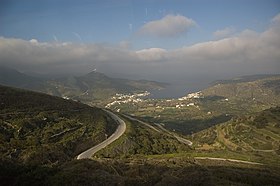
x=120, y=130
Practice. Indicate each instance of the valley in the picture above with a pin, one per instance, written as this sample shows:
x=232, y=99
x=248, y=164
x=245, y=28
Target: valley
x=228, y=133
x=148, y=93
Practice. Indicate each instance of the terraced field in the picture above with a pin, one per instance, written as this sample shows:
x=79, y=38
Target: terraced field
x=244, y=135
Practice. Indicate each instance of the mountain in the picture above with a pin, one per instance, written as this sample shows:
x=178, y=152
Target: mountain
x=11, y=77
x=43, y=129
x=259, y=88
x=247, y=78
x=98, y=86
x=87, y=88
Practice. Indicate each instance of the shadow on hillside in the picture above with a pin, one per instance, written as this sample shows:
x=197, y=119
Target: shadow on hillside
x=136, y=172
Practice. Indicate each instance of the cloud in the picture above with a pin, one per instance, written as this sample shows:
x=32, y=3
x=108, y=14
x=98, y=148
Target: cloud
x=33, y=41
x=151, y=54
x=125, y=44
x=276, y=19
x=168, y=26
x=224, y=32
x=247, y=52
x=54, y=56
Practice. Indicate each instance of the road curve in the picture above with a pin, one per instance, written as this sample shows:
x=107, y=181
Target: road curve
x=120, y=130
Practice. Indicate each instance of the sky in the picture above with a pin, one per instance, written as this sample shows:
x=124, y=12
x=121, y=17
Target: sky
x=168, y=40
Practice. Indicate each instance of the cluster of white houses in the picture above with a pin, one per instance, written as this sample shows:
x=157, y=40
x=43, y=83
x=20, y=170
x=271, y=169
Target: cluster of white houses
x=127, y=98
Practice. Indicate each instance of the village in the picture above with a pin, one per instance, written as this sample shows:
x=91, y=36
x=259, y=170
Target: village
x=139, y=102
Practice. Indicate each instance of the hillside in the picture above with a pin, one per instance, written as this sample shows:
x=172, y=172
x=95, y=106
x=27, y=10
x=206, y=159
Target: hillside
x=89, y=88
x=263, y=89
x=97, y=86
x=244, y=79
x=43, y=129
x=140, y=171
x=256, y=135
x=142, y=138
x=11, y=77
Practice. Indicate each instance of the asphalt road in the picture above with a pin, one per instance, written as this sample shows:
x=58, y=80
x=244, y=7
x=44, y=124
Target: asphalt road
x=146, y=124
x=120, y=130
x=182, y=140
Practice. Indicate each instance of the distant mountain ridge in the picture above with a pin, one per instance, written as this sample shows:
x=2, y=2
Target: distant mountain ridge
x=12, y=77
x=261, y=88
x=87, y=88
x=246, y=78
